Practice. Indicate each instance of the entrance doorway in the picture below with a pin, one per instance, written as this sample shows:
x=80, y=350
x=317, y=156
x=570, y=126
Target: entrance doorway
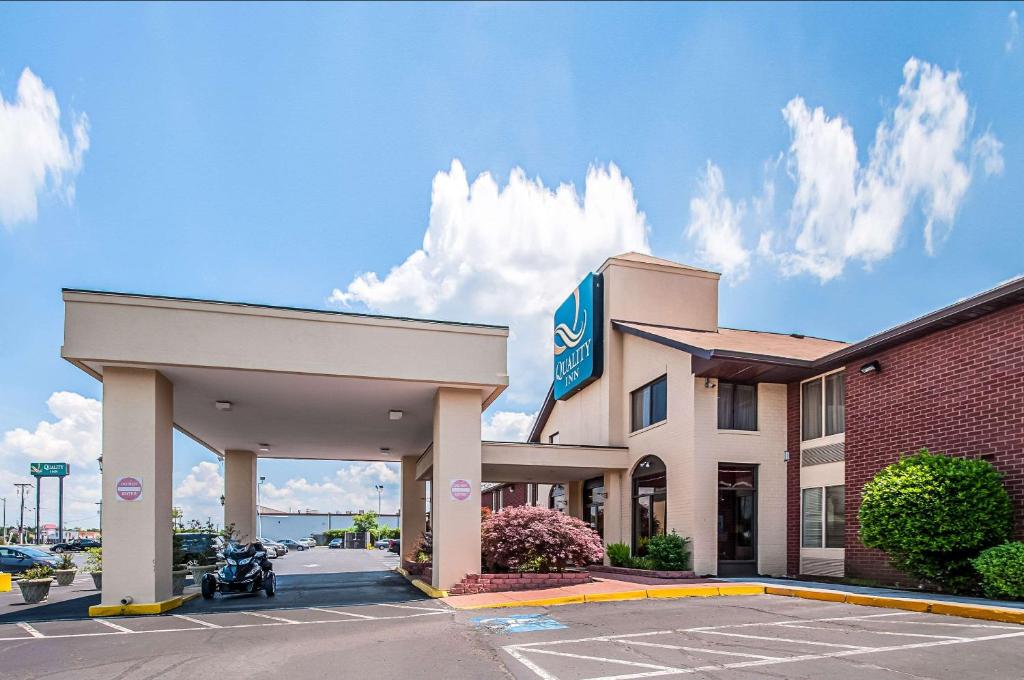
x=593, y=504
x=737, y=520
x=649, y=502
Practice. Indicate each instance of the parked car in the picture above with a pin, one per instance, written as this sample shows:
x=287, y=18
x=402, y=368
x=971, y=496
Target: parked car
x=336, y=543
x=75, y=545
x=273, y=548
x=15, y=559
x=200, y=548
x=292, y=545
x=382, y=544
x=308, y=541
x=280, y=548
x=394, y=545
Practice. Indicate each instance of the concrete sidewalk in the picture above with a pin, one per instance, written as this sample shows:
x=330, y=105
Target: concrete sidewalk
x=602, y=590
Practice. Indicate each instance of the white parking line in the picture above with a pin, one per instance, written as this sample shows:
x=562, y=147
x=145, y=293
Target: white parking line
x=30, y=630
x=409, y=606
x=207, y=624
x=334, y=611
x=272, y=618
x=521, y=652
x=111, y=624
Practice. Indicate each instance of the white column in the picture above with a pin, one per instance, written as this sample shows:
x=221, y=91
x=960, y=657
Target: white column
x=414, y=507
x=240, y=494
x=456, y=521
x=138, y=413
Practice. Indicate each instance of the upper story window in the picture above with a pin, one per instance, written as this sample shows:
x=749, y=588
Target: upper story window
x=823, y=406
x=737, y=406
x=649, y=404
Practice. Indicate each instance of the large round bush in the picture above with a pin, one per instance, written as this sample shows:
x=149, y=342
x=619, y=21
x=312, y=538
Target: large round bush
x=932, y=514
x=1002, y=570
x=523, y=537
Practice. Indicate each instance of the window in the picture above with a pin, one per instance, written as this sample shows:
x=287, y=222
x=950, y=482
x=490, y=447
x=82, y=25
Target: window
x=649, y=404
x=835, y=403
x=823, y=517
x=553, y=438
x=737, y=406
x=816, y=411
x=649, y=502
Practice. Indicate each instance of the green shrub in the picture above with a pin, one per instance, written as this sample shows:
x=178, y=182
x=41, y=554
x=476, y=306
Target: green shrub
x=618, y=554
x=94, y=561
x=669, y=552
x=66, y=561
x=38, y=571
x=1002, y=570
x=932, y=514
x=642, y=562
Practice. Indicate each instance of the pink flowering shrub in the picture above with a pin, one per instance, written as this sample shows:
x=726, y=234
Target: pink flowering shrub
x=520, y=537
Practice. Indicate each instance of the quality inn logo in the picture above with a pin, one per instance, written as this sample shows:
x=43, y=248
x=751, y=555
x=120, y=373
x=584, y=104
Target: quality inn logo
x=570, y=337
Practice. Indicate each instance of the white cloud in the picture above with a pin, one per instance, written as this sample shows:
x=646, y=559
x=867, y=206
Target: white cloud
x=1014, y=25
x=507, y=426
x=198, y=494
x=350, y=488
x=844, y=211
x=715, y=226
x=35, y=153
x=73, y=435
x=509, y=255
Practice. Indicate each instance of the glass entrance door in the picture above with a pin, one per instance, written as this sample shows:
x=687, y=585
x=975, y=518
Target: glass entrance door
x=737, y=520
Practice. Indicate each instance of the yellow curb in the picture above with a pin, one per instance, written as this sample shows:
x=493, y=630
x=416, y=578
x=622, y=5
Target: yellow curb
x=975, y=612
x=741, y=590
x=5, y=583
x=136, y=609
x=430, y=590
x=809, y=594
x=685, y=591
x=888, y=602
x=401, y=571
x=616, y=597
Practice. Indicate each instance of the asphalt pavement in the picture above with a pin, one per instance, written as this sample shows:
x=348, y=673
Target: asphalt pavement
x=726, y=637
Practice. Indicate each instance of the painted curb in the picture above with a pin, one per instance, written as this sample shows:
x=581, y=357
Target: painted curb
x=626, y=595
x=616, y=597
x=430, y=590
x=5, y=583
x=137, y=609
x=968, y=611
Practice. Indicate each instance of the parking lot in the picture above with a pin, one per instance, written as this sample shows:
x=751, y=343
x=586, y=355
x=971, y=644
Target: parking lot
x=724, y=637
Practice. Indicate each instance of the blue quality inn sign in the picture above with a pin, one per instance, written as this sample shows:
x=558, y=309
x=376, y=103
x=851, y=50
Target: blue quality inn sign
x=579, y=338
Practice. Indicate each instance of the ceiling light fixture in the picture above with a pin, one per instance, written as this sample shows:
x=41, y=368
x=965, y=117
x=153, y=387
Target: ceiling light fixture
x=395, y=414
x=223, y=405
x=385, y=449
x=264, y=447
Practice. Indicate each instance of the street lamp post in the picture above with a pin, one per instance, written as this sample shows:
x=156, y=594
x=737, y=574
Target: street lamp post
x=21, y=520
x=259, y=518
x=380, y=491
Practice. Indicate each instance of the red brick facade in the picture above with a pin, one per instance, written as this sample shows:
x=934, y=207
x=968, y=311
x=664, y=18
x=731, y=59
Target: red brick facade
x=958, y=391
x=793, y=479
x=511, y=495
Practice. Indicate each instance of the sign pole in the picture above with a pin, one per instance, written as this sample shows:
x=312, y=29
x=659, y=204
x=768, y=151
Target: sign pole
x=38, y=485
x=60, y=509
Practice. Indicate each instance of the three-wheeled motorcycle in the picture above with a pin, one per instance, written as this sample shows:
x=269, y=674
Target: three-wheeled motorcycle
x=247, y=570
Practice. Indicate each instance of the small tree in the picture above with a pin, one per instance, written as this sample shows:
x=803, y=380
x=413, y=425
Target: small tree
x=932, y=514
x=365, y=521
x=669, y=552
x=524, y=535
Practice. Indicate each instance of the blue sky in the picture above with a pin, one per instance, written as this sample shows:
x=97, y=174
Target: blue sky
x=274, y=154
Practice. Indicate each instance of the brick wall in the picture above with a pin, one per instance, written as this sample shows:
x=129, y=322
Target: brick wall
x=793, y=479
x=497, y=583
x=512, y=494
x=958, y=391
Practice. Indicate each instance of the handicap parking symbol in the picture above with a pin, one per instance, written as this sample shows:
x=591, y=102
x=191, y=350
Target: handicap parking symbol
x=518, y=623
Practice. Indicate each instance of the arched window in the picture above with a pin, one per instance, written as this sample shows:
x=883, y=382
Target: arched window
x=649, y=492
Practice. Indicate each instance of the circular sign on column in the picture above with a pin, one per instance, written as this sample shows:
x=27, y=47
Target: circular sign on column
x=461, y=490
x=128, y=488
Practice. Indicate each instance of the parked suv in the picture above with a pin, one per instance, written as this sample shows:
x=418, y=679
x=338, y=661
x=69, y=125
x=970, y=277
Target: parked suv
x=200, y=548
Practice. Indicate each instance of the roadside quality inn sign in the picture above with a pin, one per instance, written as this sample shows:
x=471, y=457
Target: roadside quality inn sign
x=579, y=338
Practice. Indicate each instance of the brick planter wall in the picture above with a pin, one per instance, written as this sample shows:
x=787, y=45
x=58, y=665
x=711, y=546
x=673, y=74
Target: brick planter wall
x=496, y=583
x=649, y=573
